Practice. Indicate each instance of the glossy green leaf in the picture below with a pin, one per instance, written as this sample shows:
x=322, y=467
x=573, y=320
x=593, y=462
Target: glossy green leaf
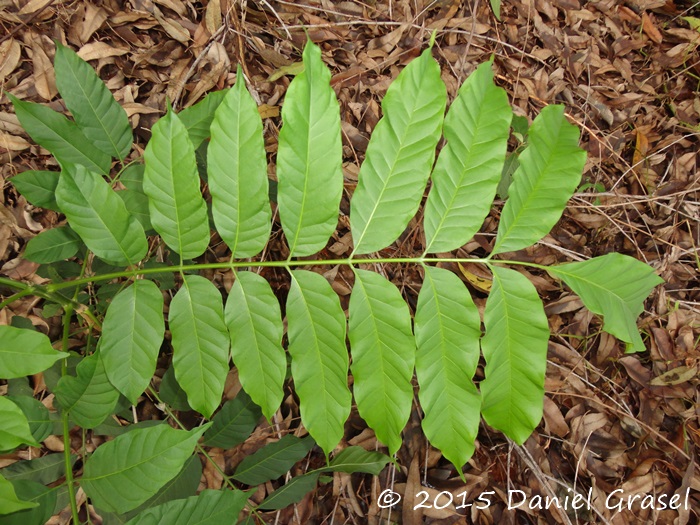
x=468, y=169
x=96, y=213
x=237, y=168
x=273, y=460
x=399, y=156
x=52, y=245
x=234, y=423
x=25, y=352
x=123, y=473
x=197, y=119
x=137, y=205
x=32, y=492
x=200, y=343
x=40, y=424
x=614, y=286
x=132, y=334
x=309, y=158
x=515, y=350
x=357, y=459
x=44, y=470
x=316, y=332
x=210, y=507
x=9, y=502
x=255, y=323
x=14, y=431
x=88, y=397
x=100, y=117
x=549, y=172
x=38, y=187
x=60, y=136
x=290, y=493
x=448, y=329
x=171, y=182
x=383, y=354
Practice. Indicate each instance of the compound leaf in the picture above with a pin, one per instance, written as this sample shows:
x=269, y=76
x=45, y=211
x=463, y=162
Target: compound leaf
x=88, y=397
x=316, y=331
x=273, y=460
x=60, y=136
x=254, y=321
x=132, y=334
x=171, y=182
x=200, y=343
x=615, y=287
x=447, y=327
x=100, y=117
x=309, y=158
x=52, y=245
x=38, y=187
x=237, y=173
x=96, y=213
x=515, y=350
x=468, y=169
x=15, y=429
x=123, y=473
x=399, y=156
x=210, y=507
x=383, y=354
x=197, y=119
x=9, y=502
x=25, y=352
x=549, y=172
x=234, y=422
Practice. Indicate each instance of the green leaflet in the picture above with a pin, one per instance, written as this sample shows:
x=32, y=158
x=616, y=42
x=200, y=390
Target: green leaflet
x=40, y=424
x=100, y=117
x=9, y=502
x=234, y=423
x=15, y=427
x=469, y=167
x=291, y=492
x=316, y=331
x=357, y=459
x=197, y=119
x=60, y=136
x=254, y=321
x=25, y=352
x=132, y=334
x=448, y=328
x=44, y=470
x=309, y=158
x=123, y=473
x=273, y=460
x=614, y=286
x=96, y=213
x=383, y=355
x=52, y=245
x=200, y=343
x=549, y=172
x=515, y=350
x=171, y=182
x=38, y=187
x=32, y=492
x=89, y=398
x=399, y=156
x=210, y=507
x=237, y=173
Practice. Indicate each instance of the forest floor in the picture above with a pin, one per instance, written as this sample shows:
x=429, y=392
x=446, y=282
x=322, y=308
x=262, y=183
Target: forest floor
x=628, y=73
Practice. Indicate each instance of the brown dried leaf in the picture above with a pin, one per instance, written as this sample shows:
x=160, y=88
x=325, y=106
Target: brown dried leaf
x=10, y=53
x=650, y=29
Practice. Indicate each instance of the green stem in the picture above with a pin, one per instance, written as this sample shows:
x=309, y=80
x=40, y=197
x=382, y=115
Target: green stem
x=66, y=425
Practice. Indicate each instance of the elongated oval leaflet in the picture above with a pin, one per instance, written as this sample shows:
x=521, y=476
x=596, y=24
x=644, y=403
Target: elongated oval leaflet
x=448, y=329
x=200, y=343
x=15, y=427
x=25, y=352
x=255, y=324
x=469, y=167
x=515, y=350
x=100, y=117
x=316, y=331
x=132, y=334
x=60, y=136
x=98, y=215
x=548, y=173
x=309, y=158
x=399, y=156
x=171, y=182
x=210, y=507
x=383, y=354
x=237, y=173
x=53, y=245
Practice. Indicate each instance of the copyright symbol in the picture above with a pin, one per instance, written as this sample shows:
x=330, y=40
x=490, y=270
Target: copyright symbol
x=388, y=498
